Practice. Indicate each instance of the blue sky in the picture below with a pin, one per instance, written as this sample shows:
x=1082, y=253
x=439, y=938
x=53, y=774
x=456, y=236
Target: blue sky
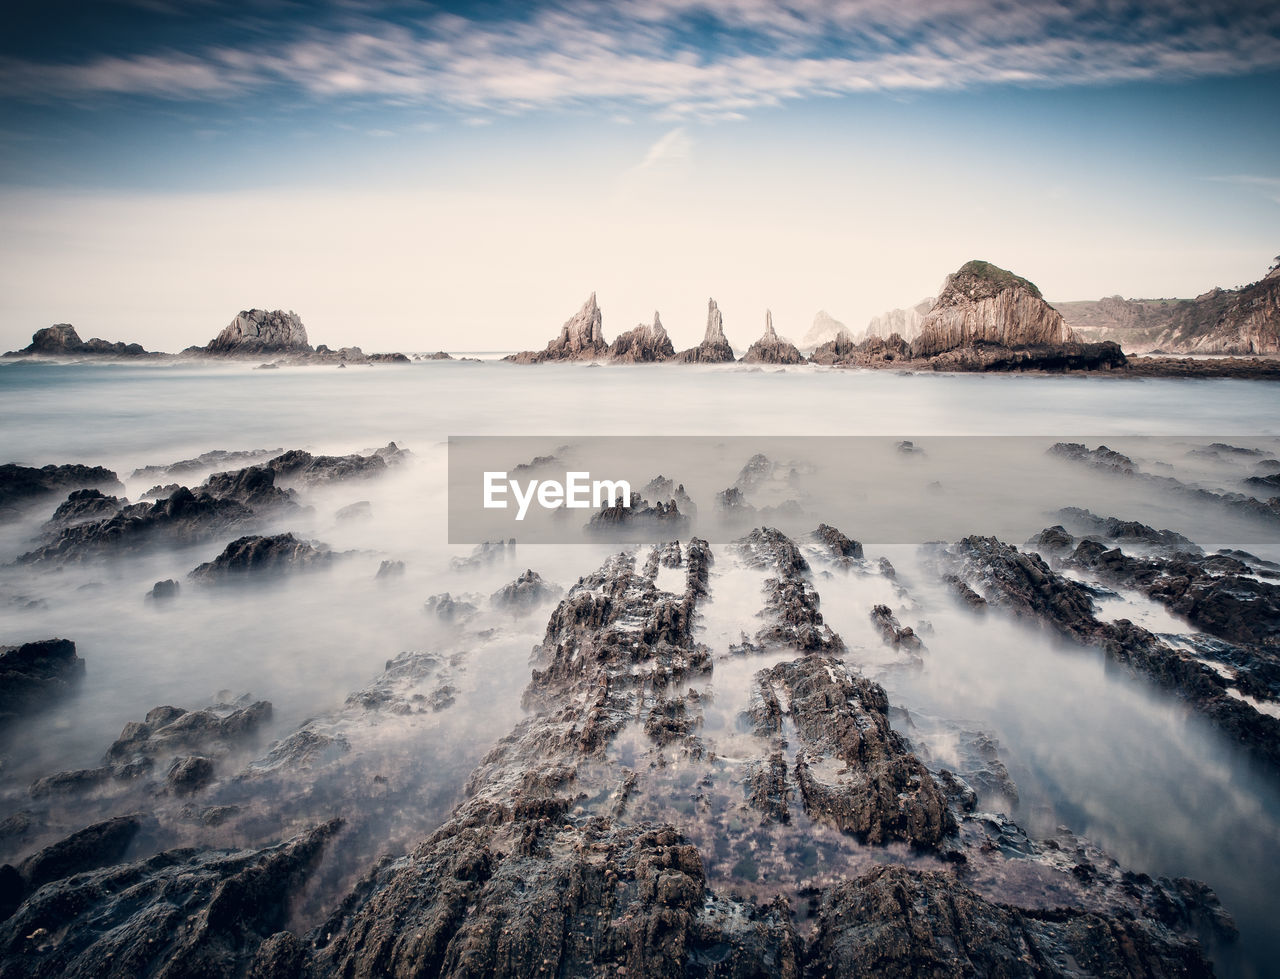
x=462, y=175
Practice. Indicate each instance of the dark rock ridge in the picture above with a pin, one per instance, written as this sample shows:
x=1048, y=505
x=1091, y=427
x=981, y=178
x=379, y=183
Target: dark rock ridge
x=257, y=555
x=770, y=349
x=581, y=338
x=180, y=519
x=182, y=744
x=33, y=674
x=642, y=345
x=895, y=634
x=1115, y=463
x=714, y=348
x=790, y=601
x=62, y=340
x=216, y=459
x=179, y=913
x=854, y=771
x=1026, y=586
x=22, y=486
x=82, y=506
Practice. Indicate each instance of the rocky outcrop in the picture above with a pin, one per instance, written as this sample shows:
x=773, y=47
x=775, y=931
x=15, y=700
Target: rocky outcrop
x=993, y=358
x=840, y=350
x=902, y=322
x=61, y=340
x=258, y=331
x=645, y=344
x=714, y=348
x=300, y=466
x=178, y=913
x=1024, y=584
x=581, y=338
x=82, y=506
x=825, y=328
x=23, y=486
x=33, y=674
x=180, y=519
x=771, y=349
x=262, y=555
x=981, y=303
x=854, y=771
x=1221, y=321
x=524, y=594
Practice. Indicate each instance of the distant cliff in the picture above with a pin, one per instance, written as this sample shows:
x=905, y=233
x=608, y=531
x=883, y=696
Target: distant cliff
x=984, y=304
x=1220, y=321
x=644, y=345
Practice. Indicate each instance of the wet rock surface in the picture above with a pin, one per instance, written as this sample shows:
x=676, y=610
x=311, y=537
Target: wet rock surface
x=1024, y=584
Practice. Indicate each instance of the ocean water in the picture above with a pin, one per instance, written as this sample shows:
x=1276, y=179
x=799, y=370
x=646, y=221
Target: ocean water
x=1108, y=756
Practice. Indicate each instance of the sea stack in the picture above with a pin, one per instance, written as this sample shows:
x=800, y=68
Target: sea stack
x=984, y=304
x=581, y=338
x=259, y=331
x=62, y=340
x=771, y=349
x=714, y=348
x=644, y=345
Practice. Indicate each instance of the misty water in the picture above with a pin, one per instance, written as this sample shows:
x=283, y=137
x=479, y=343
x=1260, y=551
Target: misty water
x=1108, y=756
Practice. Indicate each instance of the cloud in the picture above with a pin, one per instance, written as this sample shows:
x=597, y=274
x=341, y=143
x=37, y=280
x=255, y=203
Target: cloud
x=690, y=58
x=1269, y=187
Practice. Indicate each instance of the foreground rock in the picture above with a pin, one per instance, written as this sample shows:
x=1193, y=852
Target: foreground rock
x=62, y=340
x=771, y=349
x=35, y=673
x=581, y=338
x=24, y=486
x=714, y=348
x=646, y=344
x=178, y=913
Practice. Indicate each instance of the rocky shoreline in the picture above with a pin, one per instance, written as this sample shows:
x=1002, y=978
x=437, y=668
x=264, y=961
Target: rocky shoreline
x=641, y=817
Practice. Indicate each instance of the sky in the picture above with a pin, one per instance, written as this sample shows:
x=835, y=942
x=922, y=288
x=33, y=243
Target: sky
x=415, y=176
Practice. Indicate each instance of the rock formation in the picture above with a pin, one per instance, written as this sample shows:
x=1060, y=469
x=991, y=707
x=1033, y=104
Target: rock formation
x=257, y=331
x=771, y=349
x=825, y=328
x=581, y=338
x=644, y=344
x=1220, y=321
x=983, y=304
x=61, y=340
x=904, y=322
x=24, y=486
x=34, y=673
x=714, y=348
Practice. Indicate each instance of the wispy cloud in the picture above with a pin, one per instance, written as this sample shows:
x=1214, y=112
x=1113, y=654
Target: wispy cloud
x=690, y=58
x=1269, y=187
